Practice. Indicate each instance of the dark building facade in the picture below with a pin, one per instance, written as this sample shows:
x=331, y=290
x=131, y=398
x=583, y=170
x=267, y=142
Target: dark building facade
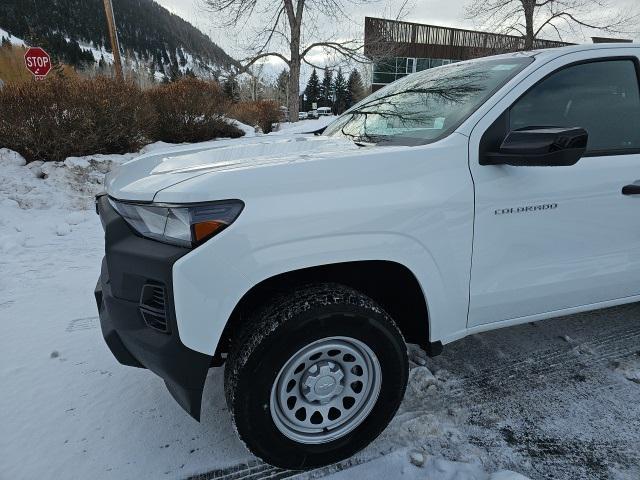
x=400, y=48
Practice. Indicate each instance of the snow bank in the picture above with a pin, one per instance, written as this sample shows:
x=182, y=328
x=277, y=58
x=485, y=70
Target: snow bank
x=45, y=185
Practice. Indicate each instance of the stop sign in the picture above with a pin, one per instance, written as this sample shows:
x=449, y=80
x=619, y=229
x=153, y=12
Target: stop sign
x=38, y=62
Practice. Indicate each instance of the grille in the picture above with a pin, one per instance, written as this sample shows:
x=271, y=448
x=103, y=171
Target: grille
x=153, y=307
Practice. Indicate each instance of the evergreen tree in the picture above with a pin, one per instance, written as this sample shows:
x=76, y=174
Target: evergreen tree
x=355, y=88
x=326, y=89
x=312, y=91
x=231, y=89
x=181, y=56
x=174, y=72
x=340, y=93
x=165, y=57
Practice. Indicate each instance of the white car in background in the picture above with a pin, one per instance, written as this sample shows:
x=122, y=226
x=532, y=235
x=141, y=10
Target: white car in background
x=305, y=262
x=302, y=115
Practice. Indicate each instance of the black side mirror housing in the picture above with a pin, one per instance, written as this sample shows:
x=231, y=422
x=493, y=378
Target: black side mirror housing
x=540, y=147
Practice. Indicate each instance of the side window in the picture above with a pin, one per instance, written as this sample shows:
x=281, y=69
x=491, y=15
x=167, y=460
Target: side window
x=602, y=97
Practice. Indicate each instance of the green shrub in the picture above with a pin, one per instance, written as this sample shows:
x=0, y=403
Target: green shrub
x=190, y=110
x=61, y=117
x=260, y=113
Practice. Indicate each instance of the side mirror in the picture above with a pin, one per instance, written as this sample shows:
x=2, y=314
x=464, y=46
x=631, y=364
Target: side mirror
x=540, y=147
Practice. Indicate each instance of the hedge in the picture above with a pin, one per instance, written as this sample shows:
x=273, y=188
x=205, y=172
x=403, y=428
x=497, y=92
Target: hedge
x=61, y=117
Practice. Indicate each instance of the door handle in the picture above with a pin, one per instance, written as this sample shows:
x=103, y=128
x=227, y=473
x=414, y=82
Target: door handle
x=632, y=189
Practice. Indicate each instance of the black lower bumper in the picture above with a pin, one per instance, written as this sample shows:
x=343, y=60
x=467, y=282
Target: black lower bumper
x=130, y=263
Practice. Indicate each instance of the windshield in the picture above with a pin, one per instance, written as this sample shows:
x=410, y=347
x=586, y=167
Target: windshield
x=427, y=105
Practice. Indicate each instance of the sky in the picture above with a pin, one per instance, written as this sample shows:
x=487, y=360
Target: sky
x=439, y=12
x=448, y=13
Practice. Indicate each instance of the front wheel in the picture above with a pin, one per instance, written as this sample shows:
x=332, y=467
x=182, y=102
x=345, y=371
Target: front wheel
x=315, y=376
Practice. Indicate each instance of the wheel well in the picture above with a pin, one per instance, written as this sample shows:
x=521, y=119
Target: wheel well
x=392, y=285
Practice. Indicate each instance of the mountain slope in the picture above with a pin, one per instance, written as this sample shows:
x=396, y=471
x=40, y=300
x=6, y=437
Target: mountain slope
x=75, y=32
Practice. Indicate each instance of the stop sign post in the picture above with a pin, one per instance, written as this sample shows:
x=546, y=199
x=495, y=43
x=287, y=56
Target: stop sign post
x=38, y=62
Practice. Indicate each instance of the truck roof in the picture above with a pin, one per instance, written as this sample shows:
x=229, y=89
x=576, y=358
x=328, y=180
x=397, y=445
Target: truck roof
x=559, y=51
x=551, y=53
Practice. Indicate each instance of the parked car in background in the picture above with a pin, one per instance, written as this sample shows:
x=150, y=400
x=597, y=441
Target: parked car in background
x=302, y=115
x=324, y=111
x=460, y=199
x=312, y=114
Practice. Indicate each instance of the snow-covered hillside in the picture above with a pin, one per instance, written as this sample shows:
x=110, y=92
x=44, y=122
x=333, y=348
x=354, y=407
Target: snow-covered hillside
x=558, y=399
x=133, y=62
x=152, y=40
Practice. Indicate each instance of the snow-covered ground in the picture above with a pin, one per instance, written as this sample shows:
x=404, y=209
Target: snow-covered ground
x=557, y=399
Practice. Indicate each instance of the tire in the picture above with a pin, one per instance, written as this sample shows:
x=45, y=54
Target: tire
x=321, y=425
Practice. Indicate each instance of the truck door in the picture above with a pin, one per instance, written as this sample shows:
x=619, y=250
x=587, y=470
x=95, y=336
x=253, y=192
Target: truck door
x=549, y=240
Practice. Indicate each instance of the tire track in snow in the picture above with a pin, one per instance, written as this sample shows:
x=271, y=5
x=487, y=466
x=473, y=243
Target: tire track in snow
x=561, y=409
x=258, y=470
x=587, y=354
x=550, y=353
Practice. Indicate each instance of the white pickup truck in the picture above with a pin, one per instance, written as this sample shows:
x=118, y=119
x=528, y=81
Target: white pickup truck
x=465, y=198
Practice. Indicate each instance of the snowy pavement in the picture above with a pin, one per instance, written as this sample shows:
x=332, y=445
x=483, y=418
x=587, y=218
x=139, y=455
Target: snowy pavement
x=556, y=399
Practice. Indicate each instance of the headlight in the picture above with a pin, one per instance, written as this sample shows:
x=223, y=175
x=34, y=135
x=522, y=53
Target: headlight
x=182, y=225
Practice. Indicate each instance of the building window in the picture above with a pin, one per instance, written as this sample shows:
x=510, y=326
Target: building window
x=391, y=69
x=422, y=64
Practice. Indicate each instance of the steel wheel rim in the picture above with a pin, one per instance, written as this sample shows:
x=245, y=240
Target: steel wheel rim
x=325, y=390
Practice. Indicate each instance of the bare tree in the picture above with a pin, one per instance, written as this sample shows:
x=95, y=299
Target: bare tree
x=530, y=18
x=293, y=31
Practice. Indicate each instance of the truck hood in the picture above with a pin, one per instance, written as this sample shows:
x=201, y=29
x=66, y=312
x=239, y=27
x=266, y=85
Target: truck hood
x=142, y=178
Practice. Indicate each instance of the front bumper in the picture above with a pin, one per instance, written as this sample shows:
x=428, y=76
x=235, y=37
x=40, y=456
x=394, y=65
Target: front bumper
x=130, y=263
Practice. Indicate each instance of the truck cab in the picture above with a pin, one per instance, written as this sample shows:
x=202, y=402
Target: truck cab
x=460, y=199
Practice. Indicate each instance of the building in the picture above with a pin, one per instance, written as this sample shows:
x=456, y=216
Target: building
x=610, y=40
x=400, y=48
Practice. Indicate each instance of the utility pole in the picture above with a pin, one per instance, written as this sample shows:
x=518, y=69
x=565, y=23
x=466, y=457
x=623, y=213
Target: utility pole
x=113, y=36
